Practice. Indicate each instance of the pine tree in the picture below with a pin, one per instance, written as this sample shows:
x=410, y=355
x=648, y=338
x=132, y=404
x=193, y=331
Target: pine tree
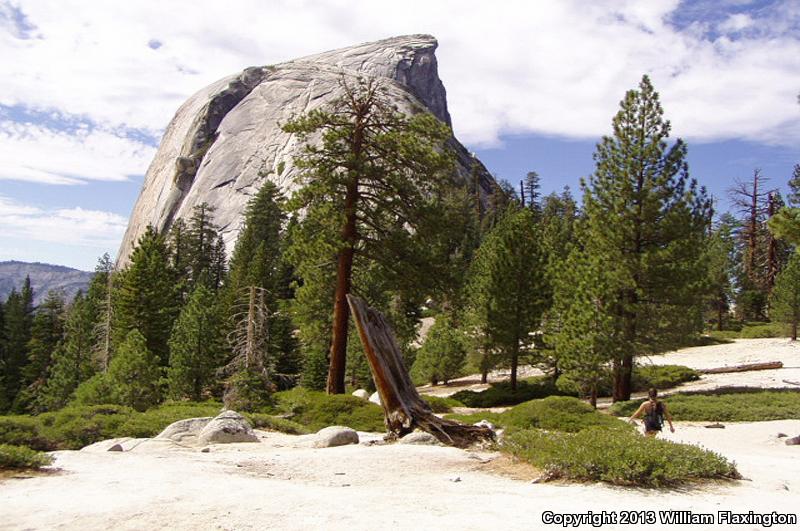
x=721, y=259
x=47, y=331
x=582, y=322
x=205, y=250
x=195, y=346
x=258, y=261
x=100, y=312
x=647, y=220
x=18, y=321
x=73, y=359
x=442, y=355
x=134, y=374
x=367, y=186
x=509, y=286
x=786, y=295
x=145, y=296
x=531, y=196
x=794, y=187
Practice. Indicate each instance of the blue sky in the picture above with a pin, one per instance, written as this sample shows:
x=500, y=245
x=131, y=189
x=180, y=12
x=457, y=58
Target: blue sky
x=89, y=86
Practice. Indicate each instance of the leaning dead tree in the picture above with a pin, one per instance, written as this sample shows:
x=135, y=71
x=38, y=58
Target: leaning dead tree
x=402, y=406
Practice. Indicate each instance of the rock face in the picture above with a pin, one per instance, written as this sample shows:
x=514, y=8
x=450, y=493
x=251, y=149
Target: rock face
x=225, y=140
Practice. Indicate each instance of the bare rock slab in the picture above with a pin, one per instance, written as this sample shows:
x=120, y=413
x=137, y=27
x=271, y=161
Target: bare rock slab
x=185, y=431
x=335, y=436
x=421, y=438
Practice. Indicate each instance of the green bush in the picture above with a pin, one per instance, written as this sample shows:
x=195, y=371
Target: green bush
x=559, y=413
x=19, y=430
x=263, y=421
x=731, y=405
x=441, y=404
x=74, y=427
x=619, y=457
x=500, y=393
x=12, y=456
x=315, y=410
x=752, y=330
x=661, y=376
x=153, y=421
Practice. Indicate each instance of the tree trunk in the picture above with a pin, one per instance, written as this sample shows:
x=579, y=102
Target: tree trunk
x=623, y=370
x=341, y=312
x=593, y=397
x=719, y=315
x=794, y=330
x=403, y=408
x=514, y=366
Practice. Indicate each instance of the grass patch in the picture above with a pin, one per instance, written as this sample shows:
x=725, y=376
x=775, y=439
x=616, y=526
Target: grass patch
x=315, y=410
x=732, y=405
x=13, y=456
x=559, y=413
x=262, y=421
x=620, y=457
x=441, y=404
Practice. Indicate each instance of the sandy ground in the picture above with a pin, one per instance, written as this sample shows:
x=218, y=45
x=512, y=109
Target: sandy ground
x=280, y=483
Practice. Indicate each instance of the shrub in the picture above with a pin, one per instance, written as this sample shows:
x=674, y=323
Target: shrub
x=617, y=456
x=501, y=394
x=560, y=413
x=262, y=421
x=661, y=376
x=731, y=405
x=12, y=456
x=74, y=427
x=316, y=410
x=24, y=431
x=247, y=390
x=441, y=404
x=153, y=421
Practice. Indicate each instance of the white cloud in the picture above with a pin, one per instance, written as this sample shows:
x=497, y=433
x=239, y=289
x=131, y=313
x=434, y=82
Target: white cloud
x=36, y=153
x=64, y=226
x=554, y=67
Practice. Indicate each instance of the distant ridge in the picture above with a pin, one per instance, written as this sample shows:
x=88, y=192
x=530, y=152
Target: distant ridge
x=44, y=277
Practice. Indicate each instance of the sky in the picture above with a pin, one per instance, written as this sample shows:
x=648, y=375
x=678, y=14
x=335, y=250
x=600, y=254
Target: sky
x=89, y=86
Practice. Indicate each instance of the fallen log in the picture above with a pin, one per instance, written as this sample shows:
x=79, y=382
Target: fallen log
x=791, y=382
x=403, y=408
x=746, y=367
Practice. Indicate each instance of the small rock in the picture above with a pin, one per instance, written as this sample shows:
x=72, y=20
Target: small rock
x=456, y=479
x=227, y=427
x=715, y=425
x=375, y=398
x=793, y=441
x=206, y=450
x=781, y=435
x=419, y=437
x=361, y=393
x=116, y=448
x=335, y=436
x=484, y=424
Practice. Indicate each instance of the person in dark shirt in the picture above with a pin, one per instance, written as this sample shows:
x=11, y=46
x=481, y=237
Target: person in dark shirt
x=654, y=411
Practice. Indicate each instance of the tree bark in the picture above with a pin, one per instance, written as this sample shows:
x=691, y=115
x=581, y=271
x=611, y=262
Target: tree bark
x=403, y=408
x=341, y=312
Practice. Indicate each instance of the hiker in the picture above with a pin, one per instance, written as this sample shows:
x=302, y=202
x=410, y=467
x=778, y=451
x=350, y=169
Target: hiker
x=654, y=412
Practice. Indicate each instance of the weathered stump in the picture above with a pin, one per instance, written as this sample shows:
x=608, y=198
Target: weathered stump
x=402, y=406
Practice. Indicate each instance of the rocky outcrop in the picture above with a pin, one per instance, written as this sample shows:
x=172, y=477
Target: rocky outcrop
x=227, y=427
x=335, y=436
x=226, y=139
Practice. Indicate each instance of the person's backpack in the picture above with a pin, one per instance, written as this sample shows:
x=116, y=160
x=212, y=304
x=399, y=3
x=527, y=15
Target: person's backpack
x=654, y=419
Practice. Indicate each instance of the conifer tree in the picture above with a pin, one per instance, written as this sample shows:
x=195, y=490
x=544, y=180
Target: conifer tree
x=134, y=374
x=364, y=190
x=786, y=295
x=205, y=250
x=47, y=331
x=721, y=259
x=18, y=321
x=73, y=359
x=195, y=346
x=99, y=311
x=258, y=261
x=647, y=220
x=442, y=355
x=509, y=286
x=582, y=322
x=145, y=296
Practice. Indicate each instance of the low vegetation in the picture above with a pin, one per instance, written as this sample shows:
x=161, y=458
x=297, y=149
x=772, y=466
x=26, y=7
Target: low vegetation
x=750, y=330
x=644, y=377
x=731, y=405
x=12, y=456
x=315, y=410
x=441, y=404
x=620, y=457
